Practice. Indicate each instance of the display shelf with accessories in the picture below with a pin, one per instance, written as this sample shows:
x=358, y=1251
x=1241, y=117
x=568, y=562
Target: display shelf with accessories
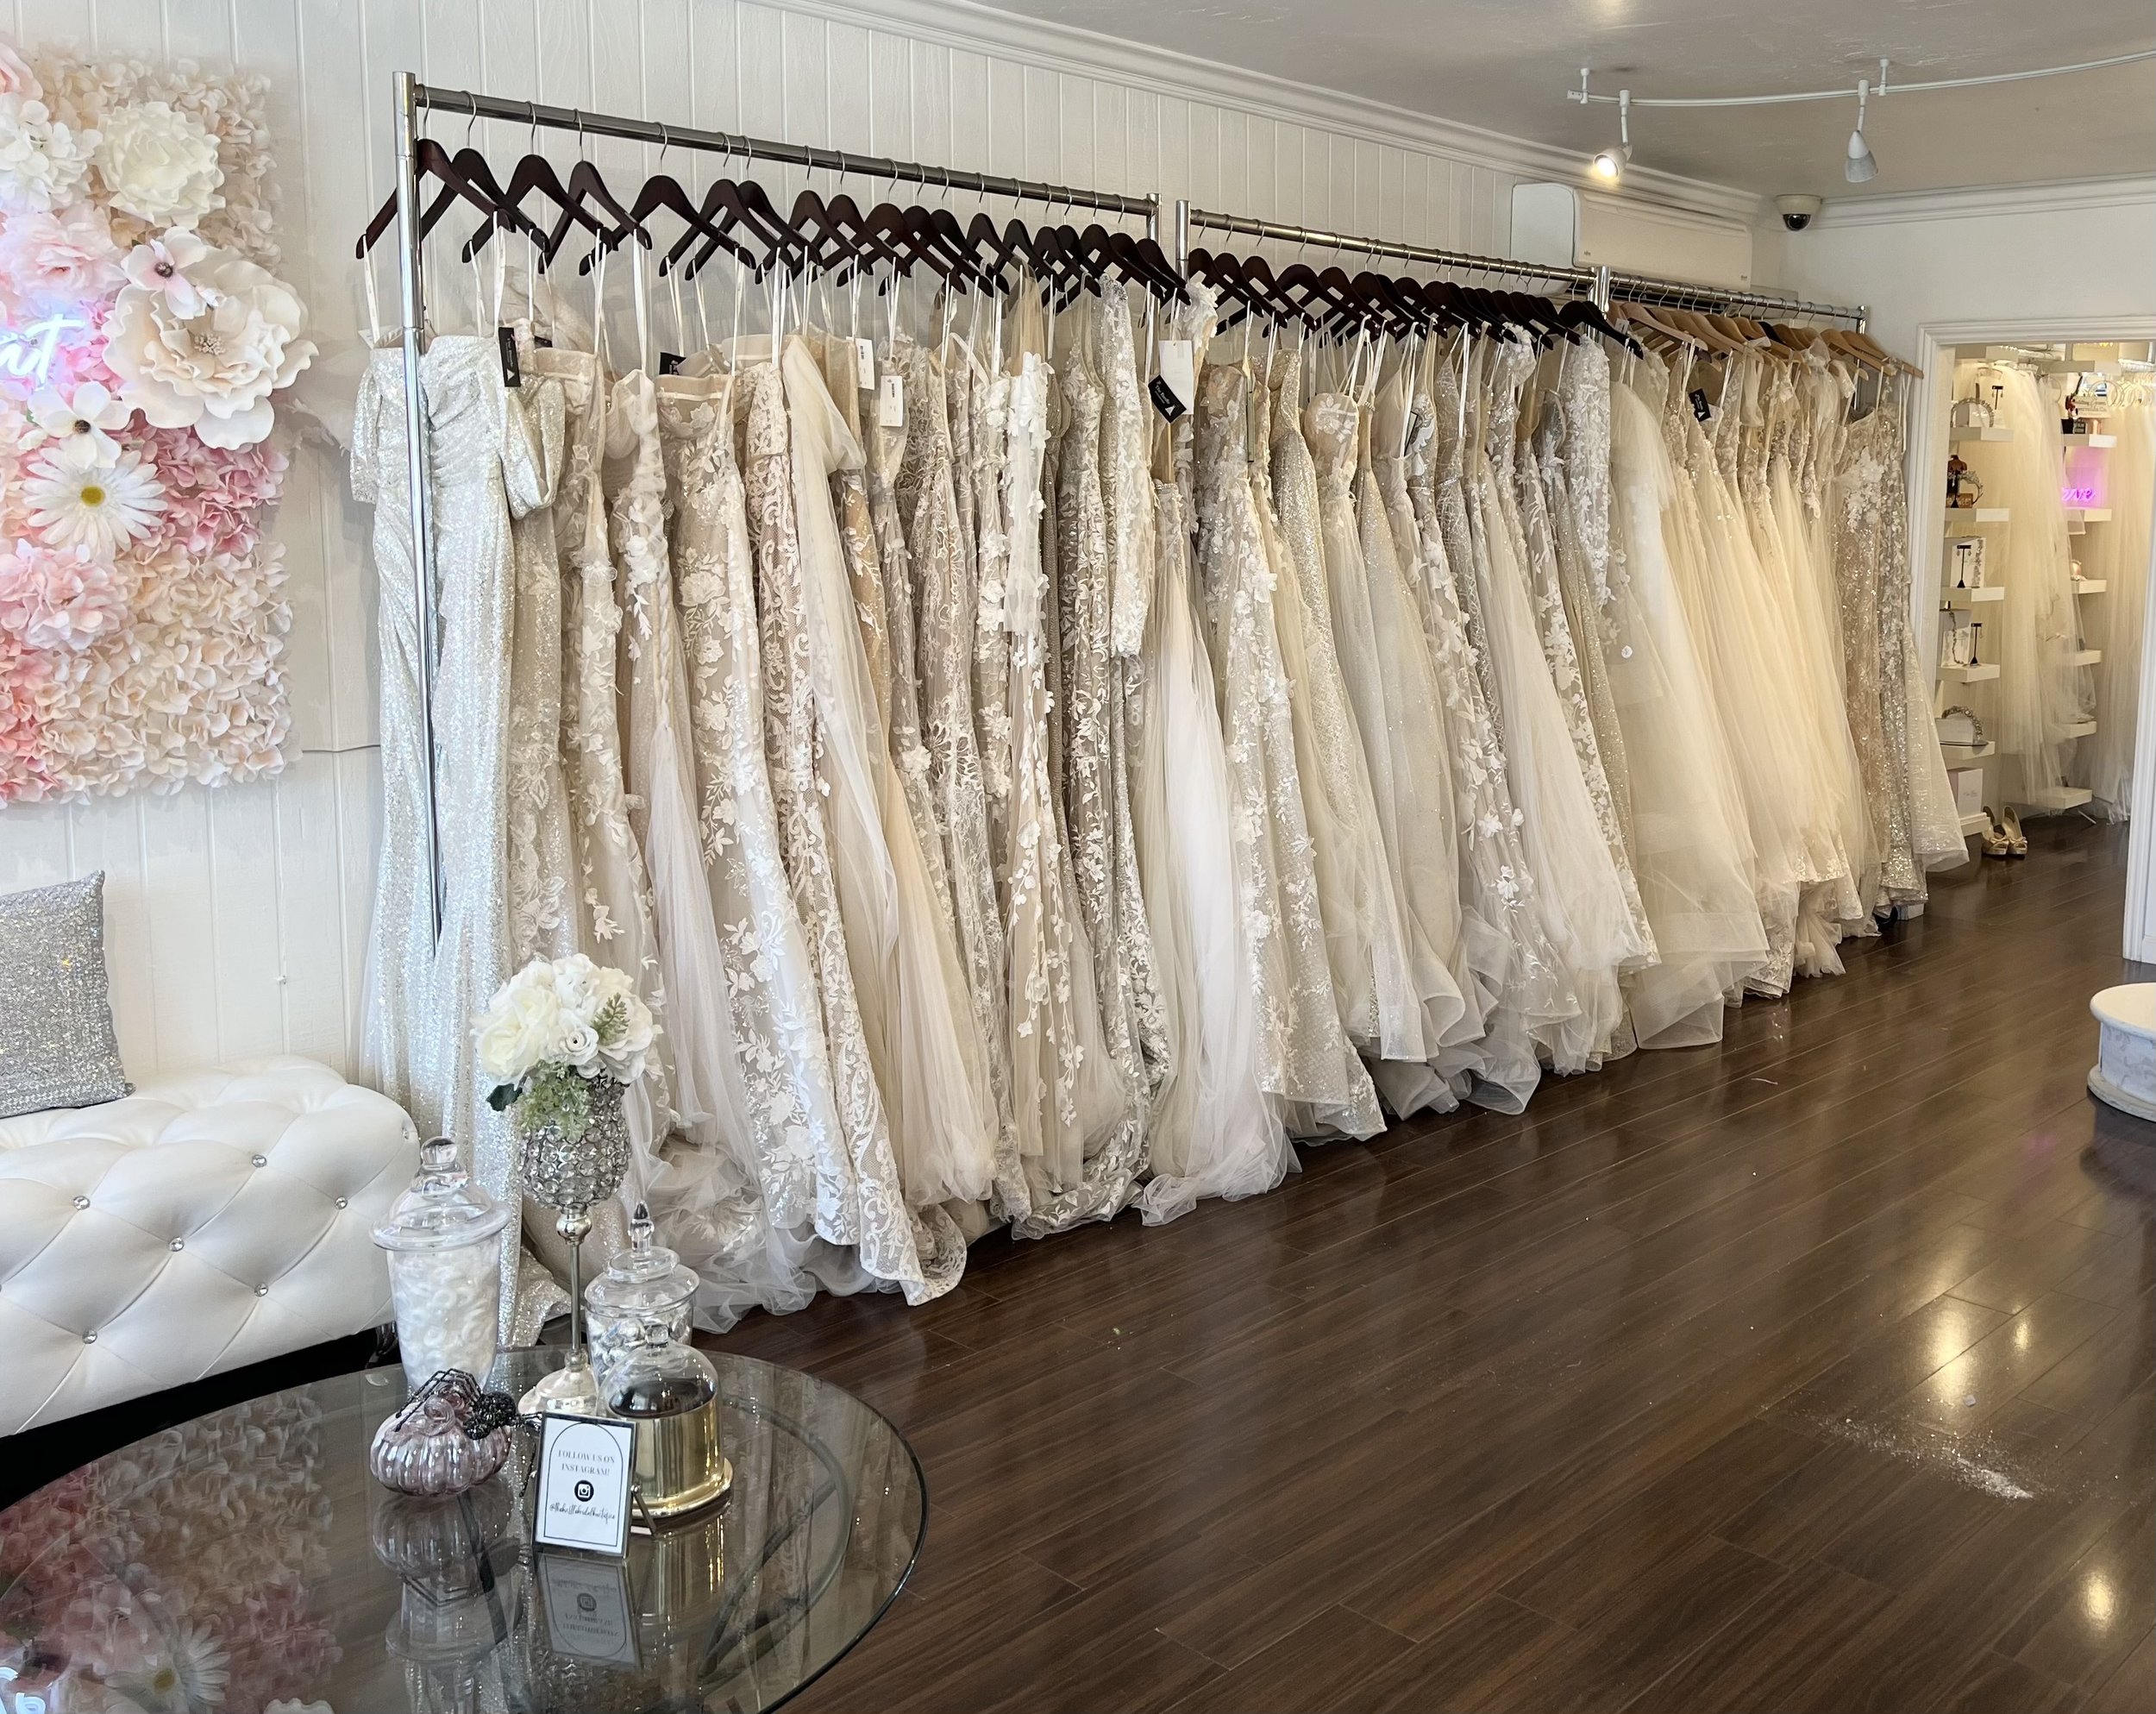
x=2060, y=797
x=1971, y=597
x=2084, y=657
x=1978, y=514
x=1970, y=674
x=2090, y=586
x=2080, y=729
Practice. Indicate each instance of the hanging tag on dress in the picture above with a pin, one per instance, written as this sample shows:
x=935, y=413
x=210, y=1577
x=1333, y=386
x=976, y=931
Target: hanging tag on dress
x=891, y=404
x=1179, y=369
x=1701, y=408
x=670, y=362
x=865, y=365
x=1163, y=397
x=512, y=371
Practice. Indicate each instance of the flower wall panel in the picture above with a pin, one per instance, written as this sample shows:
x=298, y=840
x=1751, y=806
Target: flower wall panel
x=238, y=915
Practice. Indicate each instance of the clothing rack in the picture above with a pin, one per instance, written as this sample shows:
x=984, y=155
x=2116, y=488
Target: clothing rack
x=414, y=98
x=1599, y=284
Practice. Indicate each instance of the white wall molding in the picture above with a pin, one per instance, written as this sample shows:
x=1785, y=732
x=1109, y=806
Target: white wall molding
x=1986, y=201
x=1062, y=48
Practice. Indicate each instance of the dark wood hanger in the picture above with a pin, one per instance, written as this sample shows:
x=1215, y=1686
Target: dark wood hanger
x=1581, y=313
x=461, y=183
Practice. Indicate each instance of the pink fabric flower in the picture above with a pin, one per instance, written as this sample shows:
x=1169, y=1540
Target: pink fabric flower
x=66, y=253
x=59, y=600
x=213, y=498
x=159, y=266
x=16, y=78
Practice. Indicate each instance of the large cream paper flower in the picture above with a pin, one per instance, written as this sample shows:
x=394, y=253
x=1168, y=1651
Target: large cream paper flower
x=213, y=371
x=42, y=162
x=158, y=163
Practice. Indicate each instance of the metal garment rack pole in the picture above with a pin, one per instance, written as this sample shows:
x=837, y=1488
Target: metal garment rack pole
x=413, y=99
x=1601, y=283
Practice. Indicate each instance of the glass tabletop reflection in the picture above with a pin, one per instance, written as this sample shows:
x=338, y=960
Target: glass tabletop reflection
x=248, y=1558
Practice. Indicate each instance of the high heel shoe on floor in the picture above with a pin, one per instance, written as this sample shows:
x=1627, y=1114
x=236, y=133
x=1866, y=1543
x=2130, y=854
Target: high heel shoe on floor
x=2017, y=841
x=1996, y=843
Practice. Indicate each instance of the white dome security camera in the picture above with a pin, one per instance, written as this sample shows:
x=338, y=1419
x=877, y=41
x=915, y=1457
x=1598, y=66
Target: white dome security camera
x=1797, y=212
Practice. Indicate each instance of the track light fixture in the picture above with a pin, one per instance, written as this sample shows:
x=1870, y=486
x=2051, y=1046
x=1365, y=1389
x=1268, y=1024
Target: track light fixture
x=1608, y=164
x=1860, y=167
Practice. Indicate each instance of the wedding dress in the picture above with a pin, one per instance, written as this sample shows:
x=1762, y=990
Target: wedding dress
x=1305, y=1056
x=1691, y=846
x=1365, y=937
x=1521, y=969
x=924, y=1038
x=422, y=991
x=2029, y=635
x=1585, y=911
x=1214, y=1131
x=803, y=1168
x=1075, y=1145
x=938, y=553
x=1743, y=653
x=1095, y=780
x=1520, y=486
x=542, y=914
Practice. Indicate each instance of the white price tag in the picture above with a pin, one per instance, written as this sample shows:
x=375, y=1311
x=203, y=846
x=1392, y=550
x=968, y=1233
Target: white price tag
x=585, y=1464
x=891, y=404
x=1179, y=368
x=865, y=365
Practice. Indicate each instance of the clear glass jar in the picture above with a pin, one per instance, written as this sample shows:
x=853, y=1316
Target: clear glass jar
x=444, y=1238
x=645, y=1285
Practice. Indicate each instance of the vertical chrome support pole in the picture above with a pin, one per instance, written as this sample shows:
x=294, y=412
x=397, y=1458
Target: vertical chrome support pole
x=1182, y=234
x=411, y=298
x=1152, y=217
x=1601, y=292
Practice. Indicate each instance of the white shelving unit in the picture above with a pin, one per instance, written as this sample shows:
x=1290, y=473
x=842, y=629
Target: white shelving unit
x=1961, y=435
x=1970, y=674
x=1974, y=824
x=2084, y=657
x=2061, y=797
x=2080, y=729
x=1977, y=514
x=2090, y=586
x=1972, y=598
x=1960, y=755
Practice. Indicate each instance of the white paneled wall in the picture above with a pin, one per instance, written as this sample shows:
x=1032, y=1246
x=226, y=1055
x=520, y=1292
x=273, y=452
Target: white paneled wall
x=238, y=916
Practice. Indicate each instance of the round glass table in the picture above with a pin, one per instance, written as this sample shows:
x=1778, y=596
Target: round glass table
x=248, y=1559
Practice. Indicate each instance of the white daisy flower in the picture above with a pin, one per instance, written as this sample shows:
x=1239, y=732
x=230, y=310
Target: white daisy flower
x=89, y=413
x=78, y=498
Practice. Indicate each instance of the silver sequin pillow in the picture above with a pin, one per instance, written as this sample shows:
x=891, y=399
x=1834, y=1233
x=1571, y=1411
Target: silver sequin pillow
x=57, y=1048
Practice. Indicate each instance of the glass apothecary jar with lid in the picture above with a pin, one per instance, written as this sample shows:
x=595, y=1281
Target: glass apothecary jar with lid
x=444, y=1238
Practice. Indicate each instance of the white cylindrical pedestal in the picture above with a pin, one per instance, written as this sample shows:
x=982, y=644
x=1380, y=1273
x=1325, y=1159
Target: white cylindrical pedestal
x=2124, y=1075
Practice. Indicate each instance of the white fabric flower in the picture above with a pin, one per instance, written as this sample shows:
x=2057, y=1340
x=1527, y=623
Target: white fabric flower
x=85, y=417
x=43, y=162
x=212, y=372
x=78, y=498
x=518, y=1030
x=159, y=163
x=159, y=266
x=579, y=1045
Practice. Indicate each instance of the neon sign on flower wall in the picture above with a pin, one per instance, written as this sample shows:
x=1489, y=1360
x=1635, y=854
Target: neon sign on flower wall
x=143, y=336
x=26, y=352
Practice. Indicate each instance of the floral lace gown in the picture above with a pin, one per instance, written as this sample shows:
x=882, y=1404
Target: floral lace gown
x=1366, y=940
x=795, y=743
x=805, y=1168
x=924, y=1038
x=1305, y=1056
x=1585, y=910
x=1522, y=969
x=1069, y=1103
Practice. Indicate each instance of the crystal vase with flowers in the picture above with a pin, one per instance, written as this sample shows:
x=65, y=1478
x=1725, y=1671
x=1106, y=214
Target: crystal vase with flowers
x=564, y=1039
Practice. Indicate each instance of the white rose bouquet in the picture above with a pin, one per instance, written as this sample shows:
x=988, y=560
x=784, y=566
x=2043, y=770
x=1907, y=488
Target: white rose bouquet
x=553, y=1030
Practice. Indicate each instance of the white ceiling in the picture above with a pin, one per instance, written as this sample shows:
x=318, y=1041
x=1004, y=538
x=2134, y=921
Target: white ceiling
x=1505, y=65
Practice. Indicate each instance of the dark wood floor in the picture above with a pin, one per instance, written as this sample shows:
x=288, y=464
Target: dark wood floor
x=1811, y=1372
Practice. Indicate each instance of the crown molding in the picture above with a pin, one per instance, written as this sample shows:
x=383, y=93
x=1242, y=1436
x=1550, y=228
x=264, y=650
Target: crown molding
x=1081, y=52
x=1991, y=201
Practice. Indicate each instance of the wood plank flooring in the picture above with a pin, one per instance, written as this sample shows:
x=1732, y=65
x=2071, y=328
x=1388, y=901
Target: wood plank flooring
x=1812, y=1371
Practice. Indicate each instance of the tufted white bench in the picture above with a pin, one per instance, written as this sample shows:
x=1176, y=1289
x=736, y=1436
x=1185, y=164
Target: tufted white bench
x=208, y=1221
